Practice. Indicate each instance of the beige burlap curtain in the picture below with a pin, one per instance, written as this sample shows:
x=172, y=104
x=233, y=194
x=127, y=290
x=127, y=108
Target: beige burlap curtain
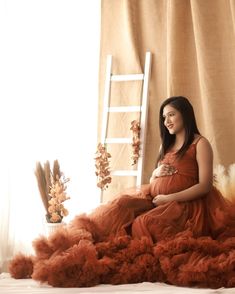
x=193, y=47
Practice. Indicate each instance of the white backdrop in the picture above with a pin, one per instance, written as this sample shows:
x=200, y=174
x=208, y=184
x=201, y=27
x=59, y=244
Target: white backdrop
x=49, y=57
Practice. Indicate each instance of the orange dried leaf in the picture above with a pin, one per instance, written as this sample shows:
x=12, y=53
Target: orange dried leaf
x=102, y=166
x=135, y=128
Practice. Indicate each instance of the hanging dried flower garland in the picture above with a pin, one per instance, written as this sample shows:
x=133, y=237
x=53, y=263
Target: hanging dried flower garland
x=135, y=128
x=102, y=167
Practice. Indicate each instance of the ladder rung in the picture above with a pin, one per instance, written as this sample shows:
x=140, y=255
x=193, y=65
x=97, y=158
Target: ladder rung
x=124, y=173
x=125, y=109
x=132, y=77
x=118, y=140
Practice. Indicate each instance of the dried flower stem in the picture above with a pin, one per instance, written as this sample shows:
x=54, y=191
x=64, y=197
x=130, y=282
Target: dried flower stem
x=52, y=190
x=102, y=167
x=58, y=195
x=135, y=128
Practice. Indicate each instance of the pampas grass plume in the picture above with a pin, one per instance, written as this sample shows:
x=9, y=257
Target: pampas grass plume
x=42, y=184
x=225, y=180
x=47, y=172
x=56, y=170
x=231, y=173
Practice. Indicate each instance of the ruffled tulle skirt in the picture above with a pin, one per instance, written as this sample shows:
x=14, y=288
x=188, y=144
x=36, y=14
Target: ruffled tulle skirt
x=128, y=240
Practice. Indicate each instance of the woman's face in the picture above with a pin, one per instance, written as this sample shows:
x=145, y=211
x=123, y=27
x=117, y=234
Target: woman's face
x=173, y=119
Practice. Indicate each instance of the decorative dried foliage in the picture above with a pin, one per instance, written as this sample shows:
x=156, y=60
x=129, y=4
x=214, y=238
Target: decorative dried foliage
x=56, y=170
x=47, y=172
x=135, y=128
x=56, y=209
x=52, y=188
x=102, y=167
x=42, y=184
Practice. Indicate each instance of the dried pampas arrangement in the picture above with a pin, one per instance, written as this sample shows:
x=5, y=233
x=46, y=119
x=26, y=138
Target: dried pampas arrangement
x=225, y=180
x=52, y=189
x=102, y=167
x=135, y=128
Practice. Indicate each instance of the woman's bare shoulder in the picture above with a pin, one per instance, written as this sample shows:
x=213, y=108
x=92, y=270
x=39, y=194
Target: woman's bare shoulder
x=203, y=140
x=203, y=145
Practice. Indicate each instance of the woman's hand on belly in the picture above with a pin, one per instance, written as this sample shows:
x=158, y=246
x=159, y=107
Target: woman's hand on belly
x=162, y=171
x=162, y=199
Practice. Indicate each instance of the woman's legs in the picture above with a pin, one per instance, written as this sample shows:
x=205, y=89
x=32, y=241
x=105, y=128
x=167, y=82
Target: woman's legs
x=112, y=218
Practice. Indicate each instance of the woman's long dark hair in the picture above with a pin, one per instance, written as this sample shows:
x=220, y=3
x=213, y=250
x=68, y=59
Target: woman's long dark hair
x=183, y=105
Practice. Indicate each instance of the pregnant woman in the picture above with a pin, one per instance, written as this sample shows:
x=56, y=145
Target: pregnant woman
x=178, y=228
x=180, y=197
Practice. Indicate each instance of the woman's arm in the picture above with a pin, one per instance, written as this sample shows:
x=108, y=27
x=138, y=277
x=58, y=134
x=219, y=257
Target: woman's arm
x=204, y=157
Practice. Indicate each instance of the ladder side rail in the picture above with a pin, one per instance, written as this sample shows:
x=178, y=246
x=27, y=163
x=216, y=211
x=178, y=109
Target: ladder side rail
x=143, y=118
x=106, y=102
x=106, y=99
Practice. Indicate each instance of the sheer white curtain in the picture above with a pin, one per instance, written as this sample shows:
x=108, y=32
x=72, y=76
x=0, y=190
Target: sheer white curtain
x=49, y=56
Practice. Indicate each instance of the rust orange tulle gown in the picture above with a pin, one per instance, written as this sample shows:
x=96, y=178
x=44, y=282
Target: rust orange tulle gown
x=129, y=240
x=208, y=215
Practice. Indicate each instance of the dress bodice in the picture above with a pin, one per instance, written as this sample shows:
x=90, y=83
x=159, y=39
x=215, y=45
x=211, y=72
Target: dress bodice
x=186, y=173
x=187, y=165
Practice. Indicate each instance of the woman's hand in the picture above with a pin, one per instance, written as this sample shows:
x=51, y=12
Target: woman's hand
x=161, y=199
x=162, y=171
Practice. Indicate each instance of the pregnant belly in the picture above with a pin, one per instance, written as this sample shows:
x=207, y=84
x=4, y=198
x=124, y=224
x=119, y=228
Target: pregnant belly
x=171, y=184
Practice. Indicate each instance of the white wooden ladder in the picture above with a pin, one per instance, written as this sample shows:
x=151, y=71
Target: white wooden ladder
x=142, y=108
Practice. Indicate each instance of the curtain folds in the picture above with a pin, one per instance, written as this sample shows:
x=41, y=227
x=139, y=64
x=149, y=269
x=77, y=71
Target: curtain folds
x=193, y=47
